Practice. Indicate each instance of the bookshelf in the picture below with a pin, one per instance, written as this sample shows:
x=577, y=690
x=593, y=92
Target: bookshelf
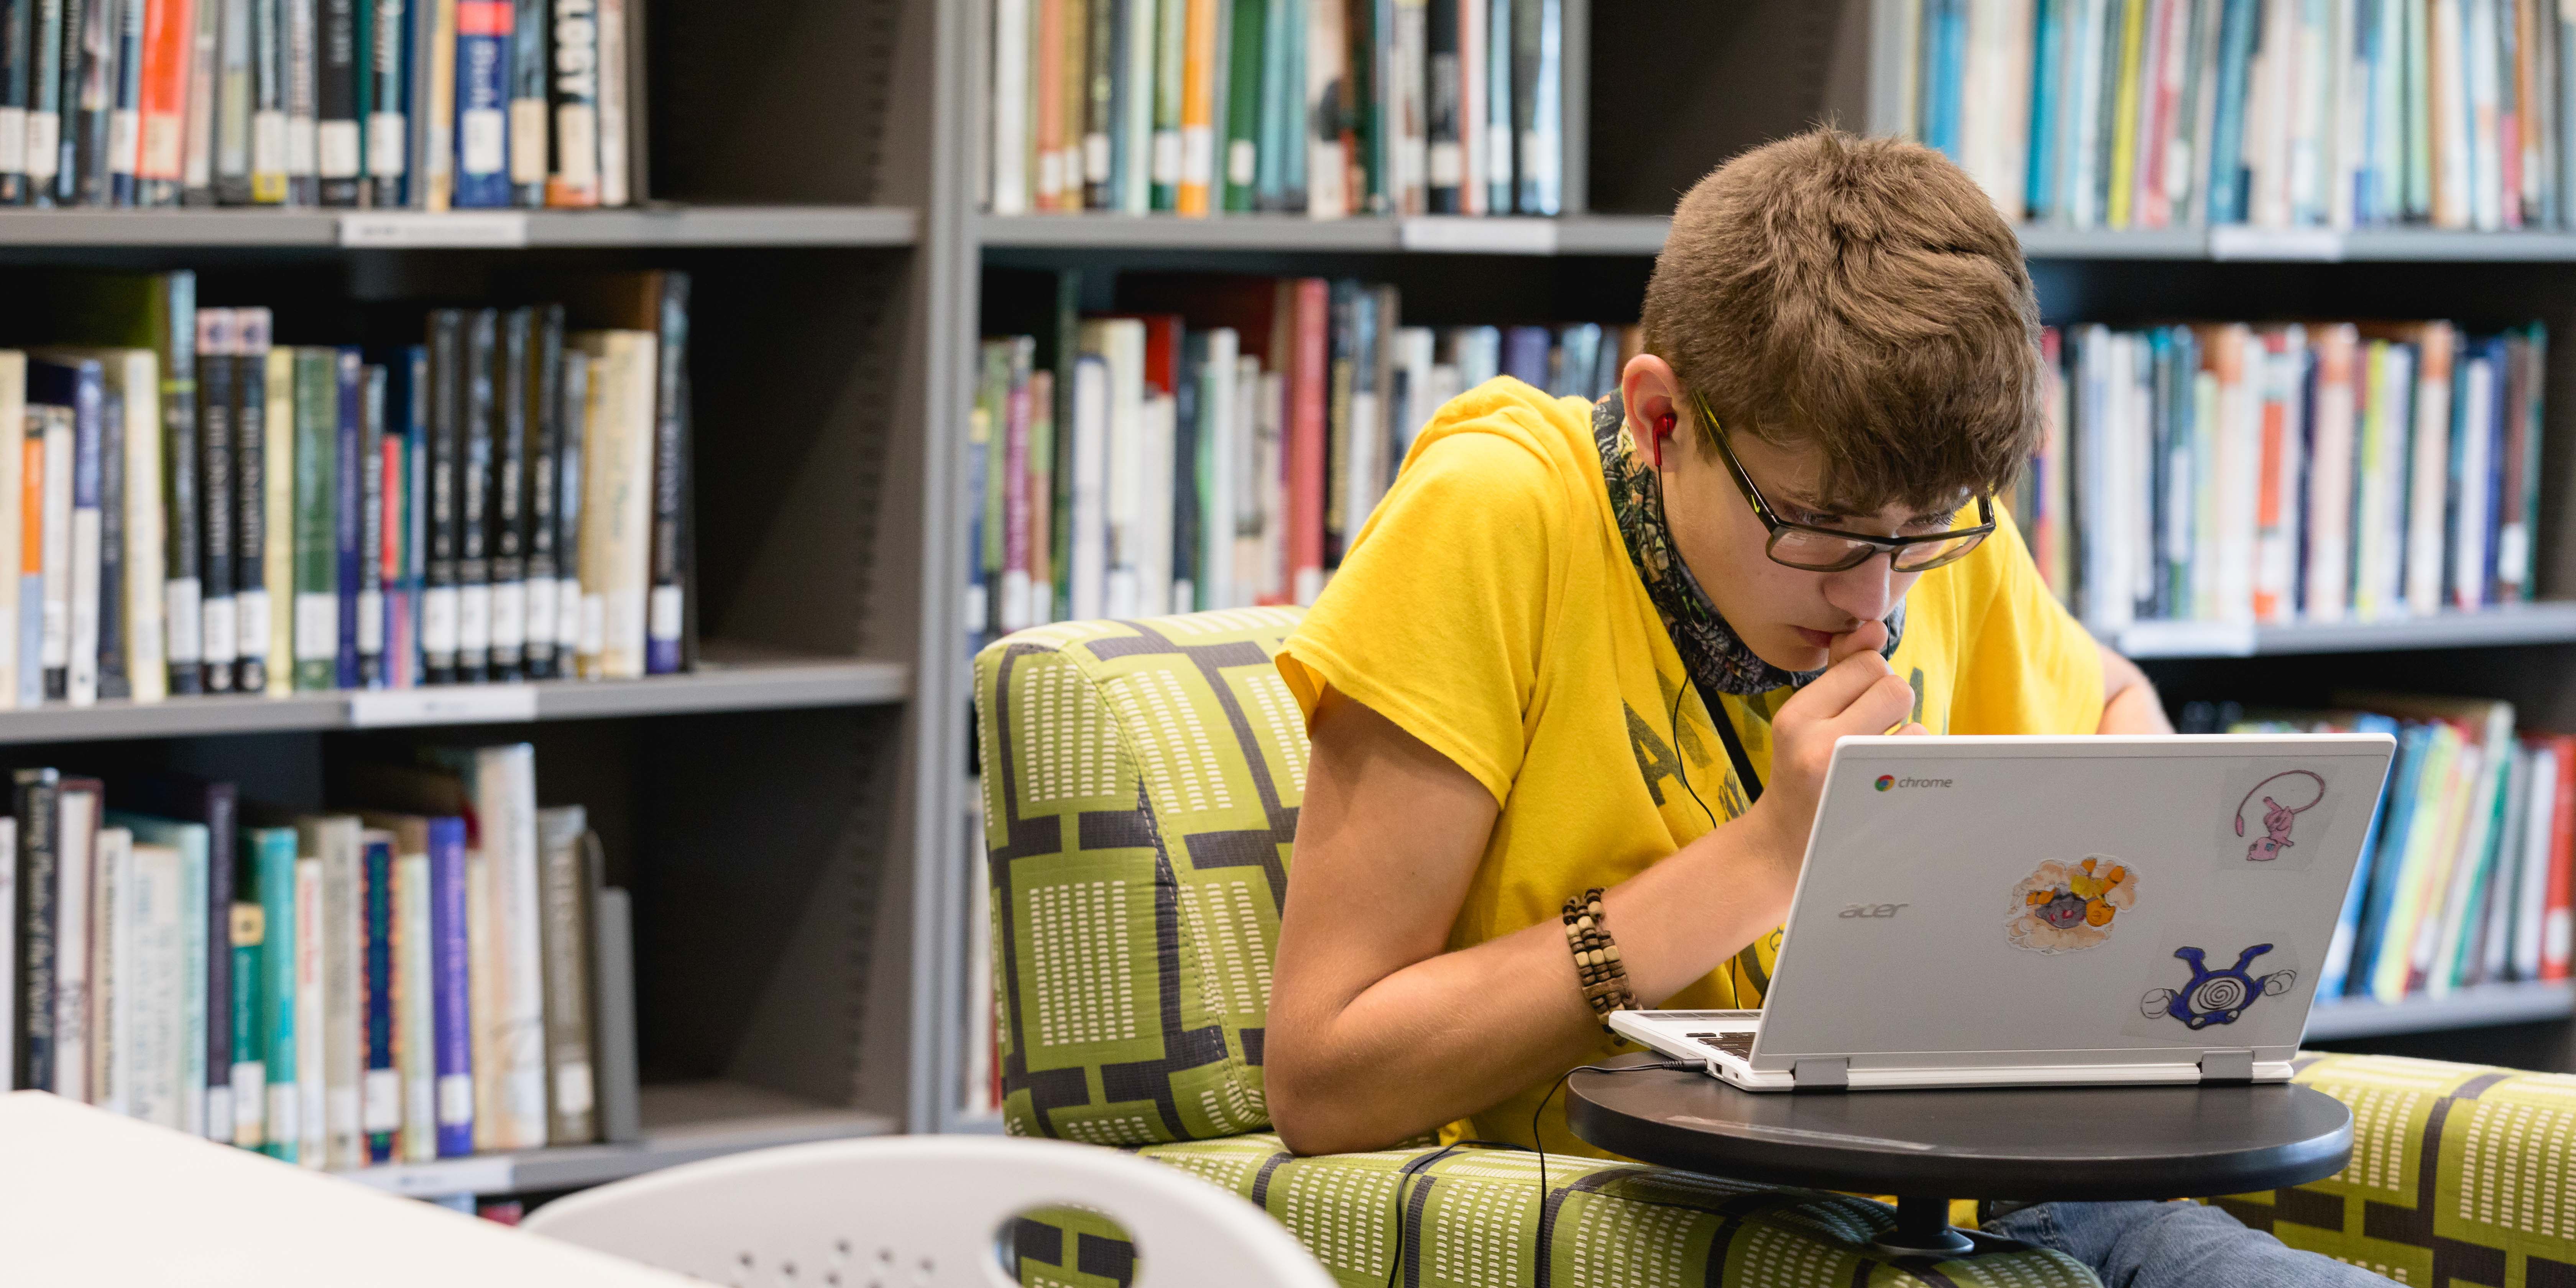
x=1634, y=139
x=768, y=812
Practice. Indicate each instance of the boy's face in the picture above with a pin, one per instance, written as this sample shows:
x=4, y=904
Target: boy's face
x=1787, y=616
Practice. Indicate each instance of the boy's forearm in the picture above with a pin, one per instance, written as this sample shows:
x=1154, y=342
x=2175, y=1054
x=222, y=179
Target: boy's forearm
x=2129, y=701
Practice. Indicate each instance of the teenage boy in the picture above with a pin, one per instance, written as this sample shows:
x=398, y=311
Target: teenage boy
x=1608, y=648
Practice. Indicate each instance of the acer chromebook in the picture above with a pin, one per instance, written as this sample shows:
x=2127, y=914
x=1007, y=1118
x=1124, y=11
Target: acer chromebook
x=2001, y=911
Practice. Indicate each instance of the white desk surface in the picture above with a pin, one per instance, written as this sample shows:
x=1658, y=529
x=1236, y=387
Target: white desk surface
x=92, y=1200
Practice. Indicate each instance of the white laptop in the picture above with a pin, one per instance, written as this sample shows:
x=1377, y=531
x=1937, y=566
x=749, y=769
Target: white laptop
x=2003, y=911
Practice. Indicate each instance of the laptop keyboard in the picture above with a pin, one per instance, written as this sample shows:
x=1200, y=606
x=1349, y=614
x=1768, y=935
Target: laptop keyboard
x=1738, y=1044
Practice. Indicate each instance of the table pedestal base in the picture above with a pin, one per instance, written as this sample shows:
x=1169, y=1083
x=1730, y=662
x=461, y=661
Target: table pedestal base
x=1923, y=1229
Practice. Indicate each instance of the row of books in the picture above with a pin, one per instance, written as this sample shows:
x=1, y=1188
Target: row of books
x=423, y=104
x=1219, y=444
x=1326, y=107
x=2301, y=472
x=2331, y=113
x=416, y=979
x=2469, y=870
x=188, y=506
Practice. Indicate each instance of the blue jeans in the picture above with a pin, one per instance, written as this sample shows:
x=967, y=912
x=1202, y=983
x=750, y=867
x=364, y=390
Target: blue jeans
x=2173, y=1245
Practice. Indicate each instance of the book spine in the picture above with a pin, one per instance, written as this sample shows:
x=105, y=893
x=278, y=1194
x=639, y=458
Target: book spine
x=338, y=137
x=38, y=887
x=565, y=897
x=1009, y=90
x=124, y=72
x=213, y=940
x=277, y=455
x=388, y=103
x=573, y=95
x=415, y=1026
x=280, y=961
x=2558, y=921
x=451, y=988
x=168, y=37
x=44, y=102
x=380, y=1096
x=81, y=648
x=76, y=848
x=197, y=122
x=526, y=59
x=483, y=41
x=570, y=597
x=147, y=664
x=666, y=608
x=17, y=65
x=365, y=604
x=248, y=1032
x=473, y=503
x=434, y=184
x=447, y=413
x=617, y=172
x=317, y=606
x=220, y=638
x=57, y=637
x=544, y=451
x=508, y=504
x=312, y=1062
x=107, y=651
x=303, y=102
x=33, y=489
x=348, y=519
x=9, y=990
x=1100, y=132
x=13, y=456
x=415, y=526
x=247, y=513
x=265, y=182
x=89, y=67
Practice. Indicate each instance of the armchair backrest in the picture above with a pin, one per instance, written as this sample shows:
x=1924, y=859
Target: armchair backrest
x=1141, y=783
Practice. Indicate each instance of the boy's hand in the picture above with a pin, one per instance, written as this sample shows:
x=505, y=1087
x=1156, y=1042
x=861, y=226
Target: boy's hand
x=1857, y=695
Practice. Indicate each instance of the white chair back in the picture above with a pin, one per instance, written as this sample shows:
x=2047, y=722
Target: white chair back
x=919, y=1212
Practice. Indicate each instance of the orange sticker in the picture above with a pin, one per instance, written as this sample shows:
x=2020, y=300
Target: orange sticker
x=2061, y=908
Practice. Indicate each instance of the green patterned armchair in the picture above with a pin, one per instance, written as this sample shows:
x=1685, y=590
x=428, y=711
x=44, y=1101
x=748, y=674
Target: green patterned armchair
x=1141, y=783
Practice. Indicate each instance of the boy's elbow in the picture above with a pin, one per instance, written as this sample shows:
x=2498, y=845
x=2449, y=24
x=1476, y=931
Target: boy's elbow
x=1312, y=1119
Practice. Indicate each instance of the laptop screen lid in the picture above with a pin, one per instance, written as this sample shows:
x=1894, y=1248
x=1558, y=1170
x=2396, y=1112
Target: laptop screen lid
x=1969, y=902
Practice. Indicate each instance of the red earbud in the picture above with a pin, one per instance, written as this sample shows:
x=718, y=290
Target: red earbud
x=1664, y=427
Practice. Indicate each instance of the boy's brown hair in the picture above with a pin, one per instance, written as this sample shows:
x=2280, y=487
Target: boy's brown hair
x=1861, y=294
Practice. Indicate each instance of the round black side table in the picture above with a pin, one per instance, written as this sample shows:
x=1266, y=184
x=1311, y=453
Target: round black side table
x=1928, y=1147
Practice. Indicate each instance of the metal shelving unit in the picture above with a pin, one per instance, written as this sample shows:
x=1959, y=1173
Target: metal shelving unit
x=2473, y=1007
x=656, y=226
x=2539, y=622
x=682, y=1124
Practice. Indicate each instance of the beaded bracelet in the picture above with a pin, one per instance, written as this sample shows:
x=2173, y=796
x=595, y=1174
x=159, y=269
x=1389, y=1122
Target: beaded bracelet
x=1596, y=958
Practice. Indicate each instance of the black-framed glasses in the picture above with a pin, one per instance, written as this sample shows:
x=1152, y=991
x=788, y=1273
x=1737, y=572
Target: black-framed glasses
x=1813, y=549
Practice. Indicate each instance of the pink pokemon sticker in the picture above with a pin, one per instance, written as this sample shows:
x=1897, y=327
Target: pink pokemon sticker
x=2278, y=818
x=2062, y=907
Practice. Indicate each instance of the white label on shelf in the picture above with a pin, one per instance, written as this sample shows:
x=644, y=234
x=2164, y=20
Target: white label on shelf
x=438, y=620
x=572, y=1088
x=455, y=1099
x=383, y=1109
x=317, y=626
x=453, y=1176
x=222, y=642
x=2188, y=639
x=406, y=228
x=250, y=623
x=2238, y=241
x=442, y=705
x=1478, y=235
x=179, y=612
x=339, y=149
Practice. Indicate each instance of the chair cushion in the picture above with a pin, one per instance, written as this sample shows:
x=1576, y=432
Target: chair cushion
x=2460, y=1173
x=1469, y=1217
x=1141, y=784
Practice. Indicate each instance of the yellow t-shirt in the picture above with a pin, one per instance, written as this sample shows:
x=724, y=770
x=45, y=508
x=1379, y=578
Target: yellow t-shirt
x=1490, y=609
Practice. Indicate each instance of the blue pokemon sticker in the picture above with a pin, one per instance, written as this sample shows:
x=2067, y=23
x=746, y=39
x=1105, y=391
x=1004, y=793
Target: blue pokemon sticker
x=2215, y=996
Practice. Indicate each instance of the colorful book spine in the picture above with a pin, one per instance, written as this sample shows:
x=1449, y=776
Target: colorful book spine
x=39, y=882
x=450, y=984
x=317, y=583
x=667, y=608
x=272, y=857
x=252, y=618
x=348, y=517
x=438, y=632
x=386, y=104
x=248, y=1031
x=339, y=130
x=415, y=1009
x=574, y=95
x=484, y=30
x=216, y=479
x=380, y=1095
x=367, y=606
x=473, y=492
x=528, y=54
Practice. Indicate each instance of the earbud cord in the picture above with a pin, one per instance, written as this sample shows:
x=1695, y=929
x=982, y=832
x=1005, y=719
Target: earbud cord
x=1716, y=714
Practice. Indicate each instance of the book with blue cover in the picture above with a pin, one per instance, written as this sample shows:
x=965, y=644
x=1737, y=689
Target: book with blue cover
x=484, y=31
x=270, y=853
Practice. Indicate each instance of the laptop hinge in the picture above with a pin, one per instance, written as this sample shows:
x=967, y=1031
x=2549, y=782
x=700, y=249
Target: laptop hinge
x=2227, y=1066
x=1822, y=1075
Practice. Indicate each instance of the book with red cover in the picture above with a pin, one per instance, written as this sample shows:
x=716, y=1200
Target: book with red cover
x=2558, y=923
x=1305, y=308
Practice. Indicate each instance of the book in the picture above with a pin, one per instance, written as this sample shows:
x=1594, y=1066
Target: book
x=216, y=478
x=386, y=93
x=484, y=39
x=253, y=615
x=270, y=855
x=168, y=36
x=73, y=532
x=615, y=513
x=450, y=952
x=509, y=488
x=528, y=55
x=445, y=442
x=76, y=824
x=542, y=446
x=313, y=1083
x=473, y=495
x=199, y=1098
x=196, y=814
x=317, y=582
x=565, y=895
x=247, y=1022
x=380, y=1096
x=573, y=178
x=303, y=55
x=415, y=1007
x=269, y=94
x=13, y=462
x=364, y=607
x=278, y=517
x=339, y=128
x=36, y=810
x=336, y=850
